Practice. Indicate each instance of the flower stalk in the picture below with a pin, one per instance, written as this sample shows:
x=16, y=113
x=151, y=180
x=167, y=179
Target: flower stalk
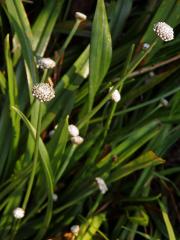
x=35, y=159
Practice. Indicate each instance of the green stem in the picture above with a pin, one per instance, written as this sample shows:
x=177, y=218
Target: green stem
x=45, y=76
x=28, y=192
x=69, y=38
x=64, y=166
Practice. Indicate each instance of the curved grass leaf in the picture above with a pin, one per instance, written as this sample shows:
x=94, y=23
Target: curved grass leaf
x=147, y=159
x=44, y=25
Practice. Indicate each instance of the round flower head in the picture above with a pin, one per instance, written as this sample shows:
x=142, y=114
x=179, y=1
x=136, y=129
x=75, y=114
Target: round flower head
x=146, y=46
x=44, y=92
x=164, y=31
x=80, y=16
x=77, y=140
x=55, y=197
x=75, y=229
x=73, y=130
x=18, y=213
x=116, y=96
x=164, y=102
x=45, y=63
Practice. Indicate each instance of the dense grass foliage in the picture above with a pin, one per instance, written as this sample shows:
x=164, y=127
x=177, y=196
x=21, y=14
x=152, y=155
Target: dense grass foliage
x=131, y=144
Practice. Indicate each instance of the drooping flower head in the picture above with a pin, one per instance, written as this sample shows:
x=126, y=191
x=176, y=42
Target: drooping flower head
x=80, y=16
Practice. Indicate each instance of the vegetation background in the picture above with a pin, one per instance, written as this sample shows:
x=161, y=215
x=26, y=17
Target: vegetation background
x=133, y=144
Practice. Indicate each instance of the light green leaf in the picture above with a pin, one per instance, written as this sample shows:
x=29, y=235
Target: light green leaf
x=100, y=50
x=147, y=159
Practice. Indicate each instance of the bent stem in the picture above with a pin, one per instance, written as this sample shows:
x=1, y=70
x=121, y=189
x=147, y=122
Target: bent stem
x=38, y=131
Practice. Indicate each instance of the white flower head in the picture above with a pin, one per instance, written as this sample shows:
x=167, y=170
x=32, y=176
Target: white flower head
x=77, y=140
x=151, y=74
x=75, y=229
x=80, y=16
x=146, y=46
x=116, y=96
x=55, y=197
x=164, y=102
x=44, y=92
x=101, y=185
x=18, y=213
x=73, y=130
x=45, y=63
x=164, y=31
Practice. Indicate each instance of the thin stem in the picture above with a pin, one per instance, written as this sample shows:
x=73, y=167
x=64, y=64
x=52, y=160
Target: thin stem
x=153, y=67
x=64, y=166
x=69, y=38
x=28, y=192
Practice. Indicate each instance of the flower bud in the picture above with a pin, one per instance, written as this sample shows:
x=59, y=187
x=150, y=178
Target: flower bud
x=77, y=140
x=80, y=16
x=55, y=197
x=164, y=102
x=73, y=130
x=101, y=185
x=164, y=31
x=146, y=46
x=116, y=96
x=75, y=229
x=18, y=213
x=43, y=92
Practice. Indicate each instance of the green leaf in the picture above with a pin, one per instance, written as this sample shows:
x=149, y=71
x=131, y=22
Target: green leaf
x=100, y=50
x=89, y=228
x=2, y=82
x=167, y=222
x=44, y=25
x=57, y=145
x=121, y=11
x=136, y=139
x=42, y=149
x=145, y=160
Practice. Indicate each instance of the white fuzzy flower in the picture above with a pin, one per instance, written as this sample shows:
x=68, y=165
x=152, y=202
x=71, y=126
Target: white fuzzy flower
x=18, y=213
x=116, y=96
x=75, y=229
x=80, y=16
x=101, y=185
x=164, y=31
x=43, y=92
x=45, y=63
x=77, y=140
x=73, y=130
